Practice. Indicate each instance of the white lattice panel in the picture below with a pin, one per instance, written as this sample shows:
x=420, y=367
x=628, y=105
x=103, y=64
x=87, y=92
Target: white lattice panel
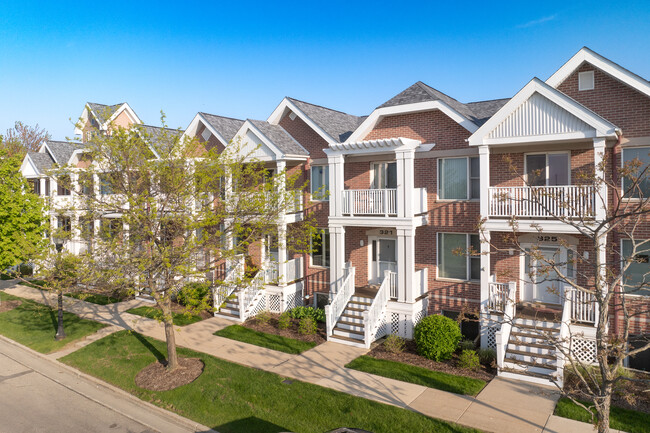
x=293, y=300
x=258, y=307
x=584, y=349
x=275, y=302
x=394, y=323
x=491, y=337
x=382, y=330
x=418, y=316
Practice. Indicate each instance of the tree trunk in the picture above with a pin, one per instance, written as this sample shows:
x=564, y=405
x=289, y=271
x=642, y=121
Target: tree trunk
x=60, y=333
x=602, y=415
x=170, y=337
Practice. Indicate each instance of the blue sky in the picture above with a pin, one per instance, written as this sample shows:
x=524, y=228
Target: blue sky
x=240, y=59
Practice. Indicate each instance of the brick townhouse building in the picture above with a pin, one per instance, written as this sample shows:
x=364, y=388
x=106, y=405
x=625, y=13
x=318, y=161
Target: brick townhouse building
x=396, y=194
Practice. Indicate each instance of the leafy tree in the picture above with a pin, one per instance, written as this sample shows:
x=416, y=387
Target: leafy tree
x=23, y=138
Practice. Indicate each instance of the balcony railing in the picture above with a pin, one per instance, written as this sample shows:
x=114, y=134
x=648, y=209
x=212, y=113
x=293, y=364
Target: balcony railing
x=370, y=202
x=568, y=201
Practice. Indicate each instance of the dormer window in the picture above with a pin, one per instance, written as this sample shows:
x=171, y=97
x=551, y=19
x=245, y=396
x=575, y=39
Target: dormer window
x=586, y=80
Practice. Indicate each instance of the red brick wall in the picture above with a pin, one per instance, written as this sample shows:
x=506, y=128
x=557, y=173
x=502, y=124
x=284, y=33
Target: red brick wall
x=617, y=102
x=304, y=135
x=356, y=253
x=357, y=175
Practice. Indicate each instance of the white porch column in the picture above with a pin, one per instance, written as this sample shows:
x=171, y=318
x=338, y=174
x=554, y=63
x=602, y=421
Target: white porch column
x=337, y=259
x=337, y=183
x=484, y=162
x=405, y=265
x=405, y=182
x=601, y=193
x=42, y=186
x=485, y=280
x=282, y=255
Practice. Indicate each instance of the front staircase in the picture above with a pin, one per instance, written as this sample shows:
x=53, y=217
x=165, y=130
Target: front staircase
x=528, y=355
x=349, y=329
x=230, y=308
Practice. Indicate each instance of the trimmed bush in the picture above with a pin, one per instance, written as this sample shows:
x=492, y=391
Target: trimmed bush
x=284, y=321
x=487, y=356
x=466, y=345
x=263, y=317
x=394, y=344
x=194, y=295
x=307, y=326
x=301, y=312
x=468, y=359
x=25, y=270
x=437, y=337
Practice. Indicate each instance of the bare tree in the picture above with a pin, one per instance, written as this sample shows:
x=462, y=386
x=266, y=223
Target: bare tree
x=24, y=138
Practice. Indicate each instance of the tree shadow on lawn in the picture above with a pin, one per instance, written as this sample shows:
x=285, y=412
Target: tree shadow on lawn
x=155, y=352
x=250, y=424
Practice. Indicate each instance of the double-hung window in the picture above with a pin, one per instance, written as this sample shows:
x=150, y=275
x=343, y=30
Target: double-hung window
x=636, y=278
x=320, y=248
x=459, y=256
x=635, y=162
x=547, y=169
x=459, y=178
x=384, y=175
x=320, y=182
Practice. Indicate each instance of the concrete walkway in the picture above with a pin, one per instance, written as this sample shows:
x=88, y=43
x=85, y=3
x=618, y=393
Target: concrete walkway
x=502, y=406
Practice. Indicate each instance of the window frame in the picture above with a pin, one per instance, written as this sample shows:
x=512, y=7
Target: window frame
x=324, y=195
x=567, y=152
x=622, y=263
x=468, y=180
x=325, y=247
x=62, y=190
x=623, y=196
x=384, y=169
x=468, y=258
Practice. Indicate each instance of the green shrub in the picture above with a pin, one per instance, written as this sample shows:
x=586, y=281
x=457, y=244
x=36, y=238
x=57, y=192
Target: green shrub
x=394, y=344
x=487, y=356
x=301, y=312
x=284, y=321
x=194, y=295
x=263, y=317
x=6, y=277
x=437, y=337
x=307, y=326
x=466, y=345
x=468, y=359
x=25, y=270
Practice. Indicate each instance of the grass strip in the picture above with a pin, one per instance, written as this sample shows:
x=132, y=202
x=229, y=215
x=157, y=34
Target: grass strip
x=270, y=341
x=34, y=325
x=418, y=375
x=94, y=298
x=180, y=319
x=235, y=399
x=626, y=420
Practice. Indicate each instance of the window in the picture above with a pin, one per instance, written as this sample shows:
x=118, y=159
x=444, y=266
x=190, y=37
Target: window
x=639, y=180
x=206, y=134
x=320, y=248
x=86, y=183
x=586, y=80
x=110, y=228
x=35, y=186
x=47, y=187
x=87, y=226
x=62, y=183
x=547, y=169
x=453, y=260
x=459, y=178
x=636, y=278
x=64, y=224
x=320, y=182
x=105, y=184
x=384, y=175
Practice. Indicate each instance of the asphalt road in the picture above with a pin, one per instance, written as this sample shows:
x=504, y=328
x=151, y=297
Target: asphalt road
x=40, y=395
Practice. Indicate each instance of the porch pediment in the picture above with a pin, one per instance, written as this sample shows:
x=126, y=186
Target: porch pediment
x=540, y=113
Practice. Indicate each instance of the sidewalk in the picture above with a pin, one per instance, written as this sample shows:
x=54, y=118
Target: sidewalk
x=502, y=406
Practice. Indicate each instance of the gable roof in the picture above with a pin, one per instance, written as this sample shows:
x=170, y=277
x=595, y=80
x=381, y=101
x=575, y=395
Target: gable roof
x=587, y=55
x=103, y=112
x=483, y=110
x=42, y=161
x=61, y=150
x=226, y=126
x=279, y=137
x=542, y=113
x=336, y=124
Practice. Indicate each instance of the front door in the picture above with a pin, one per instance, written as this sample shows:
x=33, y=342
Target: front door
x=541, y=282
x=383, y=259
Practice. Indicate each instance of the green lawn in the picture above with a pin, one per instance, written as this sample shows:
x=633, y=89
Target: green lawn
x=629, y=421
x=180, y=319
x=418, y=375
x=234, y=399
x=34, y=325
x=94, y=298
x=270, y=341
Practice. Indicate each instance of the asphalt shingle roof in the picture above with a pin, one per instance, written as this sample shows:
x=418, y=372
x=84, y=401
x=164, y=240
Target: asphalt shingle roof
x=62, y=150
x=336, y=124
x=226, y=126
x=43, y=161
x=483, y=110
x=104, y=112
x=279, y=137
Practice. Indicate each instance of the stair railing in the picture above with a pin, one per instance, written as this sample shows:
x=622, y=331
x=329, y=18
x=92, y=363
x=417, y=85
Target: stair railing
x=373, y=316
x=248, y=295
x=340, y=300
x=502, y=336
x=224, y=291
x=564, y=343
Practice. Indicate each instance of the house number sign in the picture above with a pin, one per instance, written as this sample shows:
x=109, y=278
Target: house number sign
x=546, y=238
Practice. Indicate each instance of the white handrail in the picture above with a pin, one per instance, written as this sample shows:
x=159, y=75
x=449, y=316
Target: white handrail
x=340, y=300
x=583, y=306
x=502, y=336
x=564, y=343
x=230, y=282
x=370, y=201
x=497, y=296
x=568, y=201
x=249, y=293
x=294, y=269
x=372, y=317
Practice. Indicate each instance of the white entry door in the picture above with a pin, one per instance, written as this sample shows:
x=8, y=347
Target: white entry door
x=541, y=282
x=383, y=258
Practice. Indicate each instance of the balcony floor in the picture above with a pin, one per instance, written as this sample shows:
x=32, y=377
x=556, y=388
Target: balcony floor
x=539, y=311
x=369, y=291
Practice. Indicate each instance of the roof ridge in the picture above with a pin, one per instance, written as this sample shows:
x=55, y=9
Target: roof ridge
x=486, y=100
x=223, y=117
x=427, y=88
x=320, y=106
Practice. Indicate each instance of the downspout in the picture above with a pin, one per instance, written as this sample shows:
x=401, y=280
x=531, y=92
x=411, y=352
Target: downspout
x=616, y=151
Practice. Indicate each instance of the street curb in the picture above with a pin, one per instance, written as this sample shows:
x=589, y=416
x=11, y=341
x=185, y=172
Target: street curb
x=173, y=417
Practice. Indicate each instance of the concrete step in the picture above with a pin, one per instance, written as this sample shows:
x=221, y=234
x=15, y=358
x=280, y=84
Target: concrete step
x=228, y=316
x=544, y=379
x=350, y=326
x=358, y=335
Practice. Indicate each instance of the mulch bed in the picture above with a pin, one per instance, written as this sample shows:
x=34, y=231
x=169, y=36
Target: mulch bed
x=627, y=395
x=9, y=305
x=410, y=356
x=156, y=377
x=271, y=327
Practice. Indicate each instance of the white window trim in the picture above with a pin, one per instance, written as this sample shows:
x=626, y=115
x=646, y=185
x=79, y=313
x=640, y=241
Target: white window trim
x=546, y=174
x=372, y=171
x=468, y=263
x=469, y=183
x=585, y=74
x=326, y=192
x=632, y=295
x=325, y=240
x=623, y=197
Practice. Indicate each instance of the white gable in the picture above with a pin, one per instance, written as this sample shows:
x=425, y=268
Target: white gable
x=540, y=116
x=28, y=169
x=254, y=146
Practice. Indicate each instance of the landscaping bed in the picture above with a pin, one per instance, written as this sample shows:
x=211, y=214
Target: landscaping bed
x=270, y=326
x=231, y=398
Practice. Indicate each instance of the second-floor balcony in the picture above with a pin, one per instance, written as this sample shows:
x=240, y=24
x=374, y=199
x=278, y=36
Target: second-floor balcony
x=380, y=202
x=563, y=201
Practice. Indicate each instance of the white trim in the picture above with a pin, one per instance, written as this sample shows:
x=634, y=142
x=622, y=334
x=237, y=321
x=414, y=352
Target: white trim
x=193, y=126
x=468, y=258
x=468, y=192
x=621, y=260
x=248, y=125
x=384, y=145
x=129, y=111
x=27, y=159
x=582, y=85
x=287, y=104
x=602, y=127
x=567, y=152
x=417, y=107
x=600, y=62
